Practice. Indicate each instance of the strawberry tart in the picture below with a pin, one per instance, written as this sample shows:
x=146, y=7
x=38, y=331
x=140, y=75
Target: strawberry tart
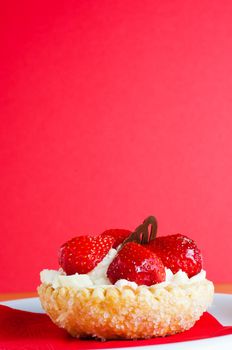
x=129, y=285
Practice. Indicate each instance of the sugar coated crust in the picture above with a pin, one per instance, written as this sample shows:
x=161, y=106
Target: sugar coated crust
x=123, y=312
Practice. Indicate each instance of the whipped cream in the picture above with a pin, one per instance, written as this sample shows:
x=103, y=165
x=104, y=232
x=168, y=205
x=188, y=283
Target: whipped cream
x=98, y=277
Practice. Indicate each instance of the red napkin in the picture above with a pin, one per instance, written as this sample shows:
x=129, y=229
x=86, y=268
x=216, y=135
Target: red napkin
x=27, y=330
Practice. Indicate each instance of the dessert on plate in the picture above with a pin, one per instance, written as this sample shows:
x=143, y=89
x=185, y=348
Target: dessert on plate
x=128, y=285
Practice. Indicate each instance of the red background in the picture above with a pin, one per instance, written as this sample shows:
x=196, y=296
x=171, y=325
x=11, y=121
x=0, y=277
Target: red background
x=112, y=111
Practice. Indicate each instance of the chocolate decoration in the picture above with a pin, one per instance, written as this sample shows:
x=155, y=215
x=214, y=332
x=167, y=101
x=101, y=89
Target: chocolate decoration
x=144, y=233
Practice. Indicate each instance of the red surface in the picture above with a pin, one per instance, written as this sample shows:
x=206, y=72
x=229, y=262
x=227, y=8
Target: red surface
x=20, y=328
x=112, y=111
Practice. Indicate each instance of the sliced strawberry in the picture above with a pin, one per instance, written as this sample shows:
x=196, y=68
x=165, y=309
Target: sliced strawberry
x=178, y=252
x=82, y=254
x=137, y=264
x=119, y=235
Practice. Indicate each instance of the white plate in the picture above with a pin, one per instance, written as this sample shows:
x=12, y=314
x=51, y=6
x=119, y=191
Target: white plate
x=221, y=309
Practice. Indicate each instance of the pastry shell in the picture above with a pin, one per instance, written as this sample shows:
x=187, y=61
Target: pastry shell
x=112, y=312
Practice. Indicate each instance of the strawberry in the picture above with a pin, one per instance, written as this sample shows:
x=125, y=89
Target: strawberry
x=178, y=252
x=82, y=254
x=119, y=235
x=138, y=264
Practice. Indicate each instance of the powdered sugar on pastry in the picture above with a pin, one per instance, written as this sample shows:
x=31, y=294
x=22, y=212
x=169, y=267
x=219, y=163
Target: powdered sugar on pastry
x=127, y=312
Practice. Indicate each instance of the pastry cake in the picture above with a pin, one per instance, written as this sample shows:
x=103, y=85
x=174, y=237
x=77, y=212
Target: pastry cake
x=127, y=285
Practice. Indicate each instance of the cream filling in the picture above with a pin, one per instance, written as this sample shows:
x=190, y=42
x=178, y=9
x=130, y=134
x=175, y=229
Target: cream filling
x=98, y=277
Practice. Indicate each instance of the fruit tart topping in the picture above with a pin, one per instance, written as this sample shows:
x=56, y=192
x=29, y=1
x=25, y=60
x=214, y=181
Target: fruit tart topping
x=137, y=264
x=140, y=257
x=82, y=254
x=178, y=252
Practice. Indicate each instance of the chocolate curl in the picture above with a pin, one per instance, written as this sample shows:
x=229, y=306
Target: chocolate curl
x=144, y=233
